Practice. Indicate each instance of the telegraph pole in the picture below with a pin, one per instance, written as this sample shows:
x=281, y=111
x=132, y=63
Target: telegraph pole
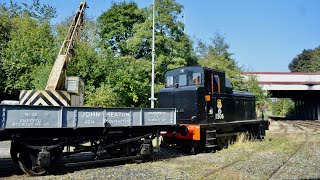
x=153, y=50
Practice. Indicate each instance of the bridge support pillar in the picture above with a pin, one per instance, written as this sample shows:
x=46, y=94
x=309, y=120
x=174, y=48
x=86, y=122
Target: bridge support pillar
x=308, y=110
x=314, y=112
x=318, y=111
x=303, y=107
x=296, y=109
x=300, y=110
x=297, y=106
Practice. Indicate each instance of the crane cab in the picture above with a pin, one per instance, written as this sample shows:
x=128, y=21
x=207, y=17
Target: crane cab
x=75, y=87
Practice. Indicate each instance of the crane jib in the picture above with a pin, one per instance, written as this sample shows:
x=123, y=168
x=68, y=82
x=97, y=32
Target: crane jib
x=61, y=90
x=58, y=72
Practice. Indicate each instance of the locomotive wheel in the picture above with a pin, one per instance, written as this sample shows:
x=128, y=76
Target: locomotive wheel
x=26, y=164
x=222, y=142
x=194, y=147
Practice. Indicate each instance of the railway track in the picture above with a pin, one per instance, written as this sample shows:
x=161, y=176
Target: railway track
x=80, y=161
x=315, y=125
x=222, y=168
x=74, y=163
x=8, y=168
x=284, y=127
x=301, y=125
x=277, y=171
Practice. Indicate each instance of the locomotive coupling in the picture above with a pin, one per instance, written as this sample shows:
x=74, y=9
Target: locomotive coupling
x=183, y=130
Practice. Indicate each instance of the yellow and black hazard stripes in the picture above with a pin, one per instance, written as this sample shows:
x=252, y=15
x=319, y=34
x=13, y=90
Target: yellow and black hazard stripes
x=45, y=98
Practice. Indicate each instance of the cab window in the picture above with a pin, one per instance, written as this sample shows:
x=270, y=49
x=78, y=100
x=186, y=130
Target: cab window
x=196, y=78
x=169, y=81
x=216, y=86
x=182, y=80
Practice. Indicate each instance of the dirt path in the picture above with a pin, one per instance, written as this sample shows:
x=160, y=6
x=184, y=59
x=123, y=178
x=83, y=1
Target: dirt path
x=291, y=150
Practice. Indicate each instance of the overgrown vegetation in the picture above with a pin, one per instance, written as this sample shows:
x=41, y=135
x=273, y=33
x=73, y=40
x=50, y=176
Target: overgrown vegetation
x=282, y=107
x=113, y=54
x=307, y=61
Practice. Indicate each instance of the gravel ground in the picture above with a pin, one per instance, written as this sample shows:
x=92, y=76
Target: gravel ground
x=5, y=149
x=306, y=165
x=242, y=160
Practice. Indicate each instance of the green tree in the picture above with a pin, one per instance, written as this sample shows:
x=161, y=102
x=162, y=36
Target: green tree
x=40, y=74
x=217, y=56
x=22, y=53
x=173, y=48
x=281, y=107
x=307, y=61
x=94, y=65
x=5, y=27
x=103, y=96
x=261, y=96
x=35, y=10
x=129, y=35
x=25, y=42
x=116, y=25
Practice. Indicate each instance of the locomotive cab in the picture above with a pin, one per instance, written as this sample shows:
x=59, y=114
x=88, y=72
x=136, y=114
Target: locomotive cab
x=193, y=91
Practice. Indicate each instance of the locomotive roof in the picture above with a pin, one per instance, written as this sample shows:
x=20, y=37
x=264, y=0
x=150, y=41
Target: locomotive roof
x=191, y=68
x=243, y=93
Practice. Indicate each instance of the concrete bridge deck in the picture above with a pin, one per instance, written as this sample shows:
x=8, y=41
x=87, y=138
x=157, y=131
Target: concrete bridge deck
x=302, y=88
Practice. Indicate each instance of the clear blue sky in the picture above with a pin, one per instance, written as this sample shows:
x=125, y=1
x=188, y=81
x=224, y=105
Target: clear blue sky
x=263, y=35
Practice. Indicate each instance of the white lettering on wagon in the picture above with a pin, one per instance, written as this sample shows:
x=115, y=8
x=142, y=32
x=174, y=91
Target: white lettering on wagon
x=156, y=117
x=118, y=114
x=31, y=114
x=89, y=121
x=90, y=114
x=30, y=119
x=118, y=121
x=30, y=123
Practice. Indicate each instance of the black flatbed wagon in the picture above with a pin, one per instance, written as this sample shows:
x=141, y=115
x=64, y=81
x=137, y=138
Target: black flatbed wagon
x=42, y=135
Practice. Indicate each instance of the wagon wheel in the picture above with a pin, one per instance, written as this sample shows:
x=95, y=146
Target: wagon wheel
x=57, y=164
x=14, y=150
x=134, y=149
x=26, y=160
